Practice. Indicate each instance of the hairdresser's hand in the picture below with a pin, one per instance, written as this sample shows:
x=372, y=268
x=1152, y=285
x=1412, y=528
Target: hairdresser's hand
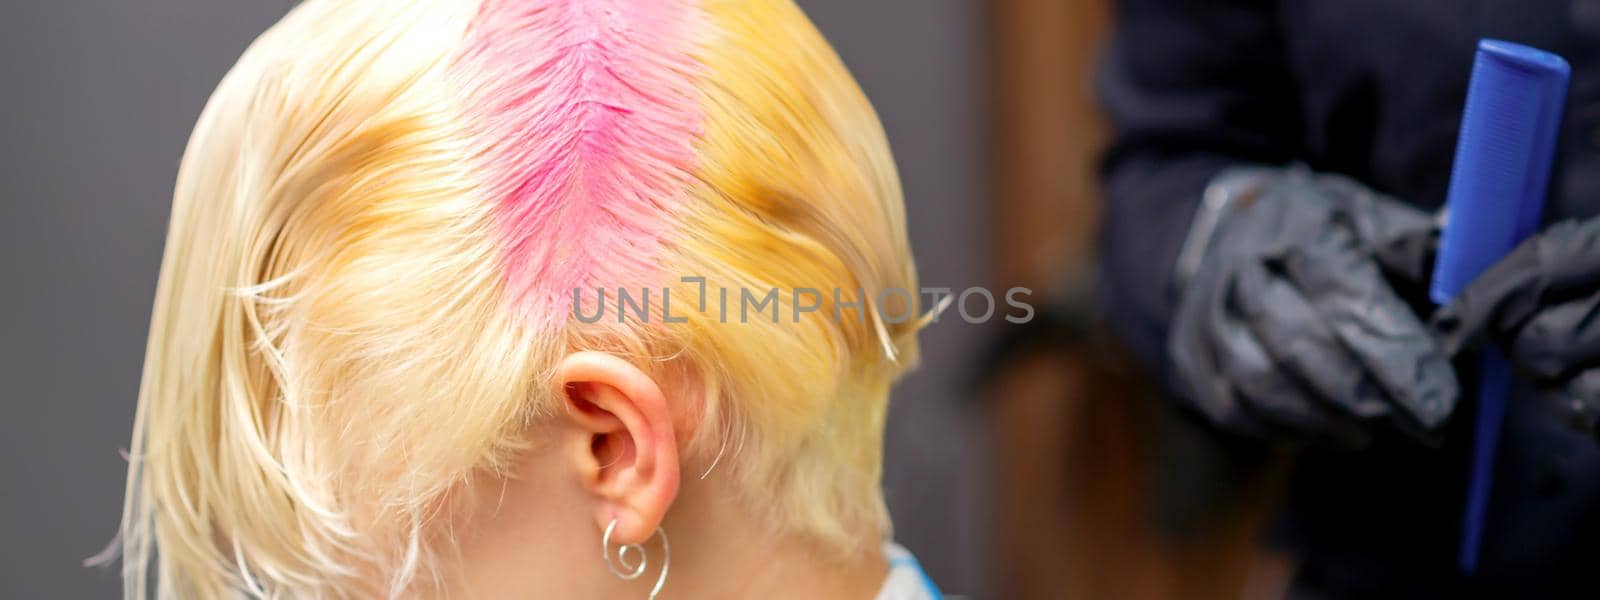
x=1542, y=304
x=1291, y=326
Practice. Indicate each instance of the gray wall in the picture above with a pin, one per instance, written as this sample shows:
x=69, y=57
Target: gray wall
x=96, y=100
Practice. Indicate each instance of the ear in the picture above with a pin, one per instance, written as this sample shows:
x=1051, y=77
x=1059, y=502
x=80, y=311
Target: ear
x=625, y=449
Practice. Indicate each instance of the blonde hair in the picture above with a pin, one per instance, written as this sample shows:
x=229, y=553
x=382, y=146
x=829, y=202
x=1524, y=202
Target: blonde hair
x=376, y=225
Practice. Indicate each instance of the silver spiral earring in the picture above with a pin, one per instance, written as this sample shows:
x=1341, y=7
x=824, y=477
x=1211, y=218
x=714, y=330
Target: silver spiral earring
x=629, y=571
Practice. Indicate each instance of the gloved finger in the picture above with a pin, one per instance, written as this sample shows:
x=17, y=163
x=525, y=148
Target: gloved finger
x=1400, y=238
x=1559, y=340
x=1290, y=210
x=1378, y=329
x=1263, y=388
x=1382, y=222
x=1407, y=265
x=1195, y=360
x=1409, y=258
x=1558, y=264
x=1294, y=334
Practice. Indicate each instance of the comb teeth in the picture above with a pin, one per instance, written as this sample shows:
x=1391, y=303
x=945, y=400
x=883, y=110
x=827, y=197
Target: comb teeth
x=587, y=114
x=1502, y=163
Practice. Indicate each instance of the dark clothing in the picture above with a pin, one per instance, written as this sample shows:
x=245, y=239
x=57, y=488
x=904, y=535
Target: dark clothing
x=1372, y=89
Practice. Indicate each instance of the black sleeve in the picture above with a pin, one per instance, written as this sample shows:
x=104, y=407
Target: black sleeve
x=1191, y=88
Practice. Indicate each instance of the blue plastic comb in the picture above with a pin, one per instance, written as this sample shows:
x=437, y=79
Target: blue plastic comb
x=1497, y=190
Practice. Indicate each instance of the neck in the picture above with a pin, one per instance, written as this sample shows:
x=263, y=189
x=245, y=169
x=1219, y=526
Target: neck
x=730, y=554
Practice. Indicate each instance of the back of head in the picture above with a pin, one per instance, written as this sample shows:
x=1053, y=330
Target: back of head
x=393, y=217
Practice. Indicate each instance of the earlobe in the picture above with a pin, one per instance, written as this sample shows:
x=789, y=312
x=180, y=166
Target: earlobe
x=628, y=451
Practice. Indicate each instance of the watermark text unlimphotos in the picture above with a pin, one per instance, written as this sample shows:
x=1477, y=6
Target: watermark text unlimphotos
x=975, y=305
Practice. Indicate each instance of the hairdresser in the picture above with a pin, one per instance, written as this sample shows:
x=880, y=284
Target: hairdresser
x=1273, y=194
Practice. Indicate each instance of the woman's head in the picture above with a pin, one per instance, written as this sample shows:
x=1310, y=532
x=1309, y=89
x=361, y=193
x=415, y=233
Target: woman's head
x=391, y=231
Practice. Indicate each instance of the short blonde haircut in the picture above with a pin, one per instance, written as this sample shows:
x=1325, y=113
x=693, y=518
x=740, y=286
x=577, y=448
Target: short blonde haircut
x=376, y=232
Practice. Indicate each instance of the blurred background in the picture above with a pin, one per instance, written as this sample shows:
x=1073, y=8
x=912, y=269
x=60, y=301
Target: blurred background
x=1018, y=466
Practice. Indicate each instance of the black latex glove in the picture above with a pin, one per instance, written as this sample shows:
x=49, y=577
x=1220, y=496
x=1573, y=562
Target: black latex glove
x=1542, y=304
x=1291, y=326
